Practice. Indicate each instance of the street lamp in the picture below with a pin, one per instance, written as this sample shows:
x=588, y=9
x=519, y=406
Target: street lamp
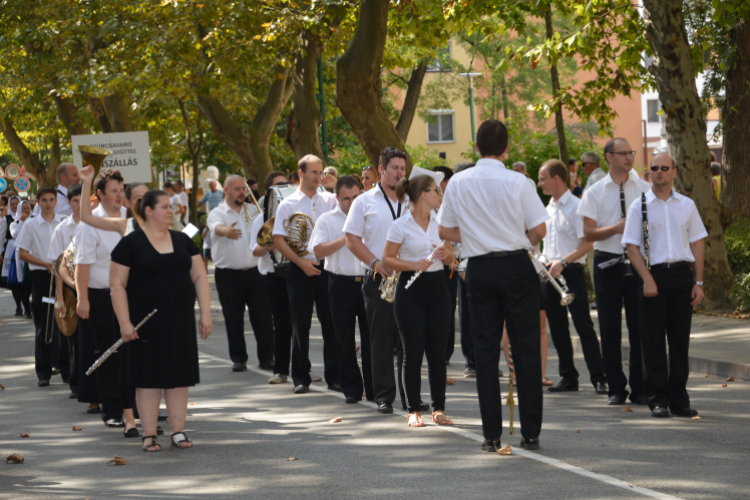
x=470, y=76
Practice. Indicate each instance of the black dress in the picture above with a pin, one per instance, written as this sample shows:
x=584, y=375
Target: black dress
x=166, y=356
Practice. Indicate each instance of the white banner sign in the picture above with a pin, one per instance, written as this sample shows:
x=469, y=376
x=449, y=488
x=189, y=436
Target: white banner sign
x=131, y=154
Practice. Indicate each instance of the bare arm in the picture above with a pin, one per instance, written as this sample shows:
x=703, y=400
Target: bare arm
x=25, y=256
x=536, y=234
x=593, y=233
x=118, y=281
x=228, y=231
x=82, y=289
x=325, y=249
x=282, y=246
x=698, y=252
x=450, y=233
x=636, y=260
x=391, y=261
x=360, y=250
x=583, y=248
x=203, y=291
x=117, y=225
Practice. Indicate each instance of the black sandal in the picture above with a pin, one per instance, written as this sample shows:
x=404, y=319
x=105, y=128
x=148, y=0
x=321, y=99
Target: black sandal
x=131, y=433
x=178, y=444
x=153, y=443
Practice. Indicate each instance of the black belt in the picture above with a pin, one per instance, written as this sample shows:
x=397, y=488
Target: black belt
x=236, y=270
x=601, y=253
x=343, y=277
x=672, y=265
x=575, y=265
x=495, y=255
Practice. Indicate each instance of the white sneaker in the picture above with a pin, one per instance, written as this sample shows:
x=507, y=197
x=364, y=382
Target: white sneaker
x=277, y=379
x=315, y=378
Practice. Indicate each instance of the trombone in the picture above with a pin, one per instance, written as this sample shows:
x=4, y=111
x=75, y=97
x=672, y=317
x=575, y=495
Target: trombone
x=559, y=284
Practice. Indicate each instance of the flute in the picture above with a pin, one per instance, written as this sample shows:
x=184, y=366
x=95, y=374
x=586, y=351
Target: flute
x=432, y=257
x=109, y=352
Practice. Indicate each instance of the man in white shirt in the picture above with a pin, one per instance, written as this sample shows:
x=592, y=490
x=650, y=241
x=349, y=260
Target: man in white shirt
x=96, y=316
x=179, y=188
x=565, y=249
x=307, y=282
x=367, y=224
x=67, y=175
x=487, y=209
x=177, y=207
x=590, y=164
x=670, y=290
x=345, y=288
x=520, y=167
x=603, y=222
x=33, y=245
x=238, y=280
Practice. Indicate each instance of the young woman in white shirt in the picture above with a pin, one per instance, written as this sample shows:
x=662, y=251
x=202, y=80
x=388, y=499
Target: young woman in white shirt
x=423, y=310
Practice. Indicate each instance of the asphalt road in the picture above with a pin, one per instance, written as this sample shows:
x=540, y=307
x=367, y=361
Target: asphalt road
x=245, y=431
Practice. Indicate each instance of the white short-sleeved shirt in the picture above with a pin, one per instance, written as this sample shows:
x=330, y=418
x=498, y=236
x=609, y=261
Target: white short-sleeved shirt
x=370, y=218
x=94, y=248
x=176, y=202
x=314, y=207
x=225, y=252
x=493, y=207
x=597, y=175
x=416, y=243
x=330, y=227
x=564, y=228
x=61, y=207
x=184, y=200
x=672, y=226
x=265, y=263
x=36, y=236
x=61, y=238
x=601, y=202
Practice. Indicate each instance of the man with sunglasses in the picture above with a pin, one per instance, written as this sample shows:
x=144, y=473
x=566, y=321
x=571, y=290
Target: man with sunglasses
x=670, y=289
x=603, y=224
x=590, y=162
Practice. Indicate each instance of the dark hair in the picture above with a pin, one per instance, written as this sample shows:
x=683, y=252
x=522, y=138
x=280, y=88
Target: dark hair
x=294, y=176
x=413, y=187
x=610, y=146
x=715, y=168
x=571, y=161
x=307, y=159
x=272, y=175
x=447, y=172
x=130, y=188
x=178, y=182
x=492, y=138
x=45, y=190
x=346, y=181
x=357, y=178
x=106, y=175
x=73, y=191
x=388, y=154
x=150, y=200
x=168, y=185
x=556, y=168
x=463, y=166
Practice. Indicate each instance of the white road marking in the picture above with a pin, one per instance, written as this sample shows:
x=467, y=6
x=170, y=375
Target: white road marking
x=476, y=437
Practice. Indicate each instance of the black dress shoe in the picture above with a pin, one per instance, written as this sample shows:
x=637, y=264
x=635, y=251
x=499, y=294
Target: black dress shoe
x=267, y=365
x=239, y=367
x=28, y=316
x=55, y=371
x=18, y=312
x=616, y=399
x=162, y=417
x=94, y=411
x=564, y=386
x=114, y=422
x=73, y=395
x=351, y=400
x=423, y=406
x=530, y=443
x=131, y=433
x=335, y=387
x=659, y=412
x=684, y=412
x=638, y=399
x=43, y=383
x=601, y=388
x=301, y=389
x=385, y=407
x=491, y=445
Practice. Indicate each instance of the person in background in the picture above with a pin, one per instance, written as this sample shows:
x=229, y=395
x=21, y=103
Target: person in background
x=590, y=163
x=715, y=178
x=213, y=197
x=8, y=244
x=370, y=177
x=647, y=176
x=294, y=178
x=178, y=210
x=67, y=175
x=575, y=181
x=179, y=188
x=206, y=236
x=329, y=178
x=16, y=270
x=520, y=167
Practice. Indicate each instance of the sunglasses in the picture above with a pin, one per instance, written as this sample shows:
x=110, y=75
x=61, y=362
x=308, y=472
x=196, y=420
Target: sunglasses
x=368, y=167
x=624, y=153
x=663, y=168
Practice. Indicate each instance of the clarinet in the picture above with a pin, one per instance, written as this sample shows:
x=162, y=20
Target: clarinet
x=625, y=260
x=644, y=228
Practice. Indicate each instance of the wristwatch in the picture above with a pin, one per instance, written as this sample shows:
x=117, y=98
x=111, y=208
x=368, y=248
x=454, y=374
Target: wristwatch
x=699, y=283
x=564, y=263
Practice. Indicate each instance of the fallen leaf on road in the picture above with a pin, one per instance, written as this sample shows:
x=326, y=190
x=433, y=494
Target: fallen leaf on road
x=14, y=459
x=708, y=376
x=450, y=381
x=628, y=409
x=356, y=349
x=335, y=420
x=730, y=379
x=290, y=459
x=578, y=431
x=76, y=428
x=2, y=387
x=118, y=461
x=24, y=435
x=505, y=451
x=697, y=417
x=723, y=385
x=703, y=324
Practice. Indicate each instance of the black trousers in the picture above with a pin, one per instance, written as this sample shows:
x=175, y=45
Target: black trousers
x=667, y=317
x=304, y=291
x=348, y=310
x=464, y=318
x=21, y=294
x=613, y=289
x=114, y=396
x=506, y=290
x=383, y=335
x=88, y=389
x=72, y=351
x=282, y=322
x=422, y=314
x=239, y=289
x=557, y=316
x=452, y=283
x=42, y=322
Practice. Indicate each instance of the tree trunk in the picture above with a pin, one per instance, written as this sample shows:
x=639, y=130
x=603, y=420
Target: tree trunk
x=562, y=144
x=227, y=129
x=28, y=159
x=117, y=113
x=358, y=83
x=68, y=115
x=736, y=121
x=305, y=119
x=674, y=72
x=97, y=109
x=409, y=109
x=195, y=156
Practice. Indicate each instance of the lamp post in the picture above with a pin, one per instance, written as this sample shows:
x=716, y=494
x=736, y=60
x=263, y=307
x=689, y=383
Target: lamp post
x=471, y=76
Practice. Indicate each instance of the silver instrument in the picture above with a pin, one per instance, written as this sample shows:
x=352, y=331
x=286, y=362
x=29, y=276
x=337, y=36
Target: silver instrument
x=388, y=287
x=109, y=352
x=559, y=284
x=419, y=273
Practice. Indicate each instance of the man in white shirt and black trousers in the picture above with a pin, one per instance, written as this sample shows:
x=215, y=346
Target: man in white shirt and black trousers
x=238, y=280
x=67, y=175
x=488, y=209
x=565, y=249
x=603, y=223
x=32, y=247
x=307, y=282
x=345, y=290
x=670, y=289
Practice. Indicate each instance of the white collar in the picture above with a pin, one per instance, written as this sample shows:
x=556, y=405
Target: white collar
x=563, y=200
x=631, y=174
x=651, y=196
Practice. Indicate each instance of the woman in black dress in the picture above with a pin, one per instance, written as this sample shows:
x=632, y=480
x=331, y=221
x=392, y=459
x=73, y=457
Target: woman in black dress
x=156, y=268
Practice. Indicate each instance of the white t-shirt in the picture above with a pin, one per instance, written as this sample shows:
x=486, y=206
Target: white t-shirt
x=94, y=247
x=314, y=207
x=564, y=228
x=184, y=200
x=330, y=227
x=416, y=243
x=36, y=236
x=61, y=238
x=227, y=253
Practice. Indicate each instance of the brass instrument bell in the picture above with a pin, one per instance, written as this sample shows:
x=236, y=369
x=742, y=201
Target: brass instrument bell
x=94, y=156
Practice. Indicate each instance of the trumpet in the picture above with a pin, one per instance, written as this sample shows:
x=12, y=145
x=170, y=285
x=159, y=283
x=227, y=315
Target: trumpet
x=559, y=284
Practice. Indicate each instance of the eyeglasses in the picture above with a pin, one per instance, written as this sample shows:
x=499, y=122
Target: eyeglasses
x=587, y=163
x=663, y=168
x=624, y=153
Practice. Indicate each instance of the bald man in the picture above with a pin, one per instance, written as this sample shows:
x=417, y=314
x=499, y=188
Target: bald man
x=67, y=175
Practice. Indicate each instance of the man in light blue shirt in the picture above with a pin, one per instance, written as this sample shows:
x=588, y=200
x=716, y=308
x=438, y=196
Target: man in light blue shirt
x=213, y=198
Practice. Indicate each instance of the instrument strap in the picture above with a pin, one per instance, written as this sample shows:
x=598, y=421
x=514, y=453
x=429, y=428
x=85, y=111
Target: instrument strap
x=390, y=205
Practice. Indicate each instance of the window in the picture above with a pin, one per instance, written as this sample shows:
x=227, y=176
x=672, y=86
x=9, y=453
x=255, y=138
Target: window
x=440, y=127
x=652, y=110
x=442, y=61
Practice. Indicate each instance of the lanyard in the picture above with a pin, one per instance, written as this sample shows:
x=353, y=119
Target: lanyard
x=389, y=204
